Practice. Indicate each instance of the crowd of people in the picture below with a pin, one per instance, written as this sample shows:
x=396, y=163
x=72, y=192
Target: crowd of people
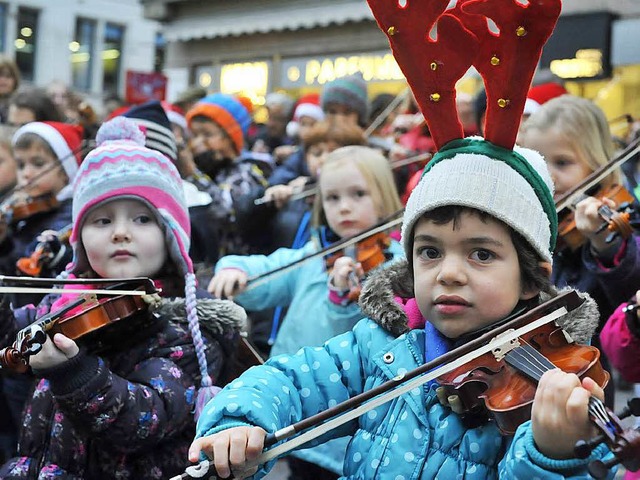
x=342, y=242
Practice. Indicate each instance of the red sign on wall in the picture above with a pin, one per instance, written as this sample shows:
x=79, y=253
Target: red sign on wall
x=142, y=87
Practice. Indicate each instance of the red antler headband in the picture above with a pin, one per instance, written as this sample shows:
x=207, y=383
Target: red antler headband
x=435, y=47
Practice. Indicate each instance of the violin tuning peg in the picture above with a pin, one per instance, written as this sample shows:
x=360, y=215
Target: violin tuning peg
x=600, y=470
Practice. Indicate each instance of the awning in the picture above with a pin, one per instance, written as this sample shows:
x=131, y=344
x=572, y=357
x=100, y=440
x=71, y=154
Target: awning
x=238, y=22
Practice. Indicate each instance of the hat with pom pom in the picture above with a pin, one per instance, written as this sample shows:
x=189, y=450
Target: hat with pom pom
x=121, y=167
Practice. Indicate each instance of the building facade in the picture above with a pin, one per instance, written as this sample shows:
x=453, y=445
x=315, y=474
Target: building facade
x=87, y=44
x=257, y=46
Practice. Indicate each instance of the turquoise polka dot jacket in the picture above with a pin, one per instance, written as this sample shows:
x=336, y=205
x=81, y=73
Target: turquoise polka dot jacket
x=410, y=437
x=311, y=318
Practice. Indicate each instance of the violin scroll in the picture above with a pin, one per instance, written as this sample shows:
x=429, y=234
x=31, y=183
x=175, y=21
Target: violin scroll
x=623, y=443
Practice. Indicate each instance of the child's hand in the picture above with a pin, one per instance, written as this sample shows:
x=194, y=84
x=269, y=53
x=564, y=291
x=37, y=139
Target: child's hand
x=278, y=194
x=230, y=450
x=559, y=415
x=588, y=222
x=299, y=182
x=343, y=273
x=54, y=352
x=227, y=283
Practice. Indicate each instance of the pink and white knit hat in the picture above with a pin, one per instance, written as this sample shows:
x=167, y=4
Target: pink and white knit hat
x=122, y=167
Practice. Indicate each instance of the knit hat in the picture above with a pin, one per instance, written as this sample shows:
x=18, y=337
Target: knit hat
x=154, y=123
x=227, y=112
x=350, y=91
x=307, y=106
x=512, y=185
x=175, y=114
x=541, y=94
x=122, y=167
x=64, y=139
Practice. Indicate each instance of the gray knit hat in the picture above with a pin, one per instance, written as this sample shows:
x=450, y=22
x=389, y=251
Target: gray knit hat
x=350, y=91
x=513, y=186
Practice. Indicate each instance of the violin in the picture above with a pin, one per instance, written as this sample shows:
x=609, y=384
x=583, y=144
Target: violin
x=15, y=210
x=620, y=222
x=502, y=385
x=41, y=256
x=369, y=253
x=86, y=314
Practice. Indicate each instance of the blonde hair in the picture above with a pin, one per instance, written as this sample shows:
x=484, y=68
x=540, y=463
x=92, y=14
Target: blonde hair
x=584, y=126
x=376, y=171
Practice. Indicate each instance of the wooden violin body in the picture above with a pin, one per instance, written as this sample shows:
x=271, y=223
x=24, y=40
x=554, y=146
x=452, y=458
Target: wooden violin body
x=15, y=210
x=369, y=253
x=491, y=386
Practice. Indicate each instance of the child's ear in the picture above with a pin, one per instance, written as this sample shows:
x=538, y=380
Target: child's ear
x=529, y=293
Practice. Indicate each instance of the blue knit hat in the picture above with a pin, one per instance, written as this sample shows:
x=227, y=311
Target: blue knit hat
x=350, y=91
x=227, y=112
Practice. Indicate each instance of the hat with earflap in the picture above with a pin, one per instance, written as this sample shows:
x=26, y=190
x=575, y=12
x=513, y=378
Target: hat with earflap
x=121, y=167
x=487, y=174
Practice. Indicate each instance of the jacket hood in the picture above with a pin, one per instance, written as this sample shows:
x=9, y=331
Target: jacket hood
x=396, y=280
x=218, y=317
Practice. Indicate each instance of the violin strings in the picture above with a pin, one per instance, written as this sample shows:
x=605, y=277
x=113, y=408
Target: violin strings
x=528, y=360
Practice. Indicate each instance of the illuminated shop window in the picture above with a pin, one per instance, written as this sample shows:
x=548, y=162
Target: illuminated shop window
x=111, y=57
x=25, y=42
x=82, y=49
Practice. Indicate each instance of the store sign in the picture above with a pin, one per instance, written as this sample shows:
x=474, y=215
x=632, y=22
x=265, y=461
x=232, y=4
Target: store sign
x=250, y=79
x=144, y=86
x=580, y=46
x=301, y=72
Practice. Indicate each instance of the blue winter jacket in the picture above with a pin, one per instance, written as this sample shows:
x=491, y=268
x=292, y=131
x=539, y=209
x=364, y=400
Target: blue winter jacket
x=310, y=320
x=410, y=437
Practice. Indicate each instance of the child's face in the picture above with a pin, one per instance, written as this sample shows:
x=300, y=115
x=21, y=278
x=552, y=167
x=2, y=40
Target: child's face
x=32, y=163
x=122, y=239
x=316, y=155
x=465, y=278
x=208, y=136
x=333, y=110
x=306, y=123
x=566, y=165
x=347, y=201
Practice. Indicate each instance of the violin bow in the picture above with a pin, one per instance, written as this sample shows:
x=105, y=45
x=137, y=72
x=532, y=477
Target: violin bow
x=313, y=189
x=503, y=338
x=12, y=284
x=402, y=96
x=571, y=197
x=386, y=224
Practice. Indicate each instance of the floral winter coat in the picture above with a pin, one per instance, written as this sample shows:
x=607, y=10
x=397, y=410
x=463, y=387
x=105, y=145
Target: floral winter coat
x=124, y=411
x=410, y=437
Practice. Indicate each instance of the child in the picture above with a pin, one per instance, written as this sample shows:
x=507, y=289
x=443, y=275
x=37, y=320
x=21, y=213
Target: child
x=356, y=191
x=478, y=234
x=47, y=155
x=620, y=340
x=573, y=135
x=218, y=125
x=119, y=405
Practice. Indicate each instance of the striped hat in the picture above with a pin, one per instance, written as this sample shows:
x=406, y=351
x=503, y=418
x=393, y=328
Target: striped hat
x=154, y=123
x=227, y=112
x=122, y=167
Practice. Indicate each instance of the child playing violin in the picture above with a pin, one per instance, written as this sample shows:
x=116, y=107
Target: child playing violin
x=119, y=404
x=573, y=135
x=47, y=155
x=356, y=191
x=478, y=233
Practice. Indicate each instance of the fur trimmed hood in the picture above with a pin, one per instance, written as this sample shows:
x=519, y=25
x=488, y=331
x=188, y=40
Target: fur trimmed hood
x=378, y=292
x=218, y=317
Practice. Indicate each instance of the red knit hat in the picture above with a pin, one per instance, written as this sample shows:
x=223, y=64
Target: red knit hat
x=64, y=139
x=541, y=94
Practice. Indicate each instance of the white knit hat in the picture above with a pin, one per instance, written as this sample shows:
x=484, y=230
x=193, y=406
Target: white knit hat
x=513, y=186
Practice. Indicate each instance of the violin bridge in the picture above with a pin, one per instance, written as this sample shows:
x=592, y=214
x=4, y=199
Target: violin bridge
x=501, y=350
